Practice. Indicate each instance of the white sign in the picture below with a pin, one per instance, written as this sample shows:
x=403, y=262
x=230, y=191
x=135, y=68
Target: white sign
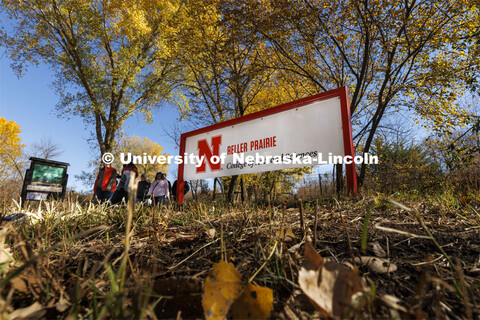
x=314, y=128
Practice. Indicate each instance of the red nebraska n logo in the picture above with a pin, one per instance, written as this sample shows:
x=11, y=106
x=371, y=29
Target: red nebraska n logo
x=204, y=150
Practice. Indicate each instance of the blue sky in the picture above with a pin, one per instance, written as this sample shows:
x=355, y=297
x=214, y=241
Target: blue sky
x=30, y=102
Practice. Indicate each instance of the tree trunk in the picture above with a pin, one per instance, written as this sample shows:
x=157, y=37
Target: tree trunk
x=375, y=122
x=195, y=190
x=320, y=183
x=98, y=131
x=109, y=140
x=105, y=141
x=339, y=178
x=214, y=188
x=270, y=192
x=231, y=189
x=242, y=190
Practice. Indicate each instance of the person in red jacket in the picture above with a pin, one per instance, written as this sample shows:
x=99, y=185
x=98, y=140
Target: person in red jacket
x=105, y=183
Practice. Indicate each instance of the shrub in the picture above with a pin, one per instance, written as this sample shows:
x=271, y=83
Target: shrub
x=403, y=166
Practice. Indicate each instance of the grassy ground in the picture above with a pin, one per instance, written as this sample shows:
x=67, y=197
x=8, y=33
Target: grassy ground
x=82, y=260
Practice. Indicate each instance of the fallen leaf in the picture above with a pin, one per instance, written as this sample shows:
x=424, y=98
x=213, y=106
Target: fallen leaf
x=19, y=284
x=254, y=303
x=286, y=235
x=32, y=282
x=146, y=233
x=329, y=285
x=377, y=265
x=211, y=233
x=35, y=311
x=378, y=250
x=294, y=248
x=312, y=259
x=222, y=287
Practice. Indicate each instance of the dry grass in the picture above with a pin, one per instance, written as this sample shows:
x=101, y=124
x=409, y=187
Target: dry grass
x=77, y=261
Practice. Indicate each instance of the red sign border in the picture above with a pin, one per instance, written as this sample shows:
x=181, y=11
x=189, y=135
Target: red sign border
x=342, y=93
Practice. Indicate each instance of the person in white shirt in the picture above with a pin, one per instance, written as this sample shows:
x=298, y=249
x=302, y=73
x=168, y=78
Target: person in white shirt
x=159, y=189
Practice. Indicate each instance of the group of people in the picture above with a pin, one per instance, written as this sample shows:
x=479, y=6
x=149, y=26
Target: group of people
x=113, y=187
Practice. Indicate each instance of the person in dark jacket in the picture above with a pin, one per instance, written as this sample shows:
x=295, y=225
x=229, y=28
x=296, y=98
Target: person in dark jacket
x=129, y=171
x=106, y=182
x=186, y=188
x=143, y=186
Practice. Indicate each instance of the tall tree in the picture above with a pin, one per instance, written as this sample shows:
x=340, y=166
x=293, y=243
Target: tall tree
x=223, y=72
x=11, y=148
x=111, y=57
x=390, y=54
x=12, y=164
x=138, y=146
x=46, y=148
x=223, y=68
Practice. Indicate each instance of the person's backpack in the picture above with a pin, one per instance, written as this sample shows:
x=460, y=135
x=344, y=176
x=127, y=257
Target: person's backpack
x=124, y=180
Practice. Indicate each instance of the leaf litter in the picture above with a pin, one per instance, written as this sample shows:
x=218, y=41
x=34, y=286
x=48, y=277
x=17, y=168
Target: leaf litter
x=329, y=276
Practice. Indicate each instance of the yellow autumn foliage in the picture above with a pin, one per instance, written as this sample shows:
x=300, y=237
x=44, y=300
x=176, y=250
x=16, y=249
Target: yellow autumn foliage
x=10, y=148
x=139, y=146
